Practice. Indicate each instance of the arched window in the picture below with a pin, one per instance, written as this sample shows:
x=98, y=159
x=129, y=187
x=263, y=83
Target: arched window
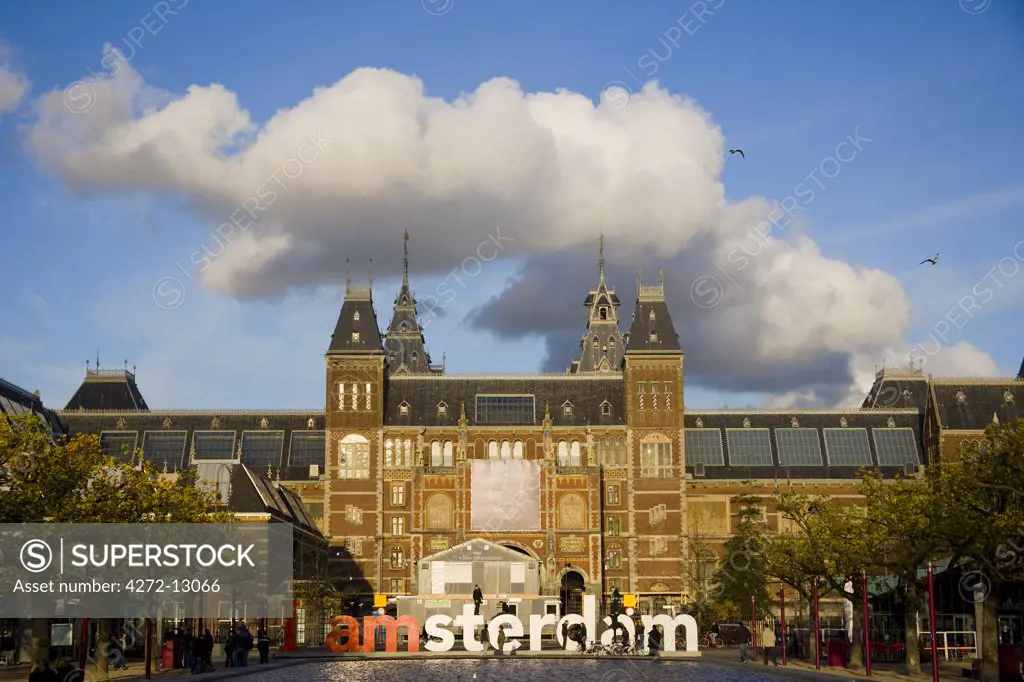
x=407, y=457
x=492, y=449
x=571, y=512
x=574, y=454
x=604, y=313
x=354, y=457
x=435, y=454
x=506, y=450
x=355, y=396
x=596, y=342
x=389, y=453
x=563, y=453
x=448, y=459
x=439, y=511
x=397, y=557
x=611, y=342
x=517, y=450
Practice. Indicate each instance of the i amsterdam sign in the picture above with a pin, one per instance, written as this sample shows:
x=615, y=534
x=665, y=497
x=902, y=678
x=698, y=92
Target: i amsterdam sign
x=347, y=639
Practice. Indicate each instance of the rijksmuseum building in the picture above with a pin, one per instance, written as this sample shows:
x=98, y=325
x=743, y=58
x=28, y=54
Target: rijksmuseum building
x=597, y=478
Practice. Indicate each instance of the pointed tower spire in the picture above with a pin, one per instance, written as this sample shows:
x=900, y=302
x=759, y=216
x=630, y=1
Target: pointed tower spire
x=97, y=358
x=661, y=275
x=348, y=278
x=601, y=258
x=405, y=259
x=371, y=275
x=405, y=346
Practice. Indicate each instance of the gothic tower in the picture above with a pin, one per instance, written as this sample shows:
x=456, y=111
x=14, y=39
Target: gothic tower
x=406, y=351
x=354, y=427
x=653, y=372
x=602, y=347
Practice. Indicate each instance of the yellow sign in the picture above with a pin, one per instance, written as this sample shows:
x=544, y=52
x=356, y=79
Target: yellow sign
x=629, y=601
x=380, y=601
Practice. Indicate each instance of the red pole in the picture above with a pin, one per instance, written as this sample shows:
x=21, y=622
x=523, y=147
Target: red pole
x=931, y=624
x=867, y=629
x=817, y=629
x=149, y=648
x=753, y=625
x=782, y=625
x=84, y=653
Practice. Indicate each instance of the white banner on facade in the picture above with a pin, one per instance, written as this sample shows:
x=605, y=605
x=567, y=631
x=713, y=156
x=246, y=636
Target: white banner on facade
x=505, y=495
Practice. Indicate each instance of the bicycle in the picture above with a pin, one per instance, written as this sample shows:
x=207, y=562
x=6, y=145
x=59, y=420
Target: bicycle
x=595, y=648
x=709, y=640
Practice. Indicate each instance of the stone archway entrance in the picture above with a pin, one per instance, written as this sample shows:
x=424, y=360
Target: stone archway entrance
x=571, y=592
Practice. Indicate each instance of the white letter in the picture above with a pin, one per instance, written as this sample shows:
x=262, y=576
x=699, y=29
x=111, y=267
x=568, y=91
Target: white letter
x=517, y=631
x=220, y=556
x=434, y=629
x=538, y=622
x=625, y=621
x=468, y=622
x=80, y=558
x=244, y=554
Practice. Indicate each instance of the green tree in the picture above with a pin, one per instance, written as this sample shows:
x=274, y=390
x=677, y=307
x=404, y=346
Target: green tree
x=903, y=513
x=742, y=574
x=69, y=480
x=981, y=513
x=829, y=542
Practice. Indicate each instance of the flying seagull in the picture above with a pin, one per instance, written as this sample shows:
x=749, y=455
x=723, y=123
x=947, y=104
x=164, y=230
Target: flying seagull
x=933, y=261
x=738, y=151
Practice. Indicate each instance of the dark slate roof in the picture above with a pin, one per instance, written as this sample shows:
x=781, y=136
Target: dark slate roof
x=651, y=299
x=594, y=298
x=108, y=389
x=895, y=388
x=15, y=400
x=734, y=419
x=253, y=493
x=369, y=343
x=1020, y=374
x=291, y=422
x=585, y=393
x=981, y=399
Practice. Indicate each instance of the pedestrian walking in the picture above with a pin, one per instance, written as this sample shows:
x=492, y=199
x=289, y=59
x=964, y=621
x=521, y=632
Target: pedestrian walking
x=768, y=646
x=744, y=639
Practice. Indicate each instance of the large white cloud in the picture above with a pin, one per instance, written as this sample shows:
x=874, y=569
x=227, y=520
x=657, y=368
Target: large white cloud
x=379, y=155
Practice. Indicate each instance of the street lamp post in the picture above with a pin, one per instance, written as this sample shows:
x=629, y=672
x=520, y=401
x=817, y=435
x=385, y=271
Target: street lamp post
x=753, y=624
x=817, y=627
x=867, y=628
x=931, y=623
x=782, y=624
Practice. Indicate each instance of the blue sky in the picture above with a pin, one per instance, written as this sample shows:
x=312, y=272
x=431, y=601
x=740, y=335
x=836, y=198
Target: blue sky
x=935, y=88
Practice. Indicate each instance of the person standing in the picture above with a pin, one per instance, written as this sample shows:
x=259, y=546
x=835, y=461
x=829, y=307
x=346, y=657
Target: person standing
x=768, y=646
x=744, y=638
x=229, y=649
x=478, y=599
x=639, y=633
x=263, y=645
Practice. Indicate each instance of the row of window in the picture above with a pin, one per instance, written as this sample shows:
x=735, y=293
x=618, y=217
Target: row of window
x=662, y=390
x=351, y=398
x=516, y=412
x=354, y=455
x=258, y=449
x=802, y=446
